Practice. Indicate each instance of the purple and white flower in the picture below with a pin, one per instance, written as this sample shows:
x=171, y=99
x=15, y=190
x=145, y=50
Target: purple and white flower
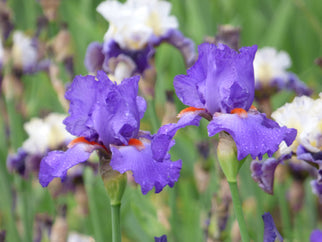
x=136, y=28
x=44, y=135
x=304, y=114
x=220, y=87
x=270, y=70
x=106, y=116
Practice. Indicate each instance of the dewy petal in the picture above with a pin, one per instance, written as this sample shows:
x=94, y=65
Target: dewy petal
x=116, y=115
x=163, y=139
x=190, y=88
x=94, y=57
x=83, y=94
x=254, y=135
x=147, y=171
x=270, y=231
x=263, y=172
x=230, y=78
x=316, y=236
x=56, y=163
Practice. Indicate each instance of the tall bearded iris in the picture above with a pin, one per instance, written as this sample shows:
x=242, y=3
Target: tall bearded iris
x=136, y=27
x=106, y=117
x=220, y=87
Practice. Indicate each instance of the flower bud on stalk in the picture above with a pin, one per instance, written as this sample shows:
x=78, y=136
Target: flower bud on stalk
x=114, y=181
x=227, y=157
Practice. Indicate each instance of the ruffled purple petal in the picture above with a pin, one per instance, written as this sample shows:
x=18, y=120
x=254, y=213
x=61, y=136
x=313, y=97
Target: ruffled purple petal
x=220, y=80
x=230, y=78
x=162, y=140
x=190, y=88
x=56, y=163
x=83, y=94
x=116, y=116
x=316, y=236
x=94, y=57
x=254, y=135
x=147, y=171
x=185, y=45
x=103, y=111
x=270, y=231
x=263, y=172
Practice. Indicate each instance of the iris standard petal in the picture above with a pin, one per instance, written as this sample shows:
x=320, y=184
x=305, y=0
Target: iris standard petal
x=56, y=163
x=270, y=231
x=147, y=171
x=190, y=88
x=116, y=116
x=230, y=78
x=254, y=135
x=83, y=94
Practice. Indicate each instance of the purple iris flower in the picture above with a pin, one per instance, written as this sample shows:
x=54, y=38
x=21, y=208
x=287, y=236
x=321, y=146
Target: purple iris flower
x=99, y=56
x=270, y=231
x=220, y=87
x=106, y=116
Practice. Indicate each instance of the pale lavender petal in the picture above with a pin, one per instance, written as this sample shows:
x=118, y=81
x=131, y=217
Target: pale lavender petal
x=317, y=188
x=270, y=231
x=146, y=171
x=316, y=236
x=163, y=138
x=56, y=163
x=254, y=135
x=263, y=172
x=94, y=57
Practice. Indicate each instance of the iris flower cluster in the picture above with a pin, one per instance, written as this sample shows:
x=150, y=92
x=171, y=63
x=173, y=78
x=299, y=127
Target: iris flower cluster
x=106, y=116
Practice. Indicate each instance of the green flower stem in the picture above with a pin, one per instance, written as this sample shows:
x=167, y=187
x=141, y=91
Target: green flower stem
x=116, y=223
x=239, y=211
